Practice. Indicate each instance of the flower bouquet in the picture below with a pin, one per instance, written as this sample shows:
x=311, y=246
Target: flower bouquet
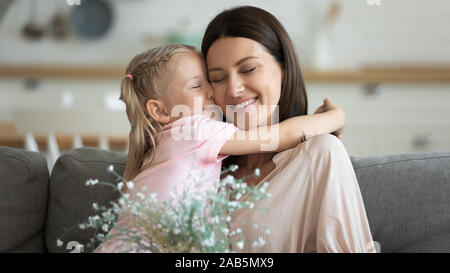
x=191, y=220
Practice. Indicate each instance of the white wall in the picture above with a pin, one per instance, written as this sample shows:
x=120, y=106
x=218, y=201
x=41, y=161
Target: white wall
x=410, y=31
x=397, y=32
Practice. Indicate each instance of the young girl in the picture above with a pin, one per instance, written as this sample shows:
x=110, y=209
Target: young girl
x=162, y=82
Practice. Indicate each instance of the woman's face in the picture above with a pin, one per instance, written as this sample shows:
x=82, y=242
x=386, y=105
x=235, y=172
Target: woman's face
x=245, y=77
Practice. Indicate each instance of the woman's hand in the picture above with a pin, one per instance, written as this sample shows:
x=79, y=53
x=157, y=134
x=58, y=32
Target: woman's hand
x=327, y=106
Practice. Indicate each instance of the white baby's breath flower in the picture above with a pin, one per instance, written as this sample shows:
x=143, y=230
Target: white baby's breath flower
x=238, y=230
x=120, y=186
x=228, y=180
x=225, y=231
x=240, y=244
x=215, y=219
x=264, y=187
x=130, y=185
x=95, y=206
x=261, y=241
x=234, y=168
x=59, y=242
x=140, y=195
x=91, y=181
x=209, y=242
x=267, y=230
x=110, y=168
x=82, y=226
x=154, y=196
x=257, y=172
x=238, y=196
x=122, y=202
x=105, y=228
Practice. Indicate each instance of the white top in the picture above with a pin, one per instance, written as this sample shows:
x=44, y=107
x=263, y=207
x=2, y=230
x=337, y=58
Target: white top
x=315, y=203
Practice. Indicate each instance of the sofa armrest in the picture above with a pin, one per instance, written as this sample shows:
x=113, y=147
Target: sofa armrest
x=24, y=181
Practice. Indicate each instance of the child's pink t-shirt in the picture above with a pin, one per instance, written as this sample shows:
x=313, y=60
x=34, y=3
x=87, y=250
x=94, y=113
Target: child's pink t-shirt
x=187, y=150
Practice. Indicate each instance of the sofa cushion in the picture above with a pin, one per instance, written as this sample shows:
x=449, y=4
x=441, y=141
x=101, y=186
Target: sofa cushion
x=70, y=200
x=407, y=200
x=24, y=180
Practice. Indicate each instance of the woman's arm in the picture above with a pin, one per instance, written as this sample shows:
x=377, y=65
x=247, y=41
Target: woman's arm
x=284, y=135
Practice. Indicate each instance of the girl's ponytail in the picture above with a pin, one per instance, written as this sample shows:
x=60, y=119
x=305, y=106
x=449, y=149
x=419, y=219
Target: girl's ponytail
x=142, y=133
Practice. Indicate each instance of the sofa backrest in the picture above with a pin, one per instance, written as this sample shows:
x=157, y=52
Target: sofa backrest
x=406, y=198
x=70, y=200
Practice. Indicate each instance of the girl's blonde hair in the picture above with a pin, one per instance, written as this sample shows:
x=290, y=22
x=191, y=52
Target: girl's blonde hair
x=145, y=81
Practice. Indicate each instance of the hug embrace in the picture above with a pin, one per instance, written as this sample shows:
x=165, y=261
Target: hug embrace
x=244, y=99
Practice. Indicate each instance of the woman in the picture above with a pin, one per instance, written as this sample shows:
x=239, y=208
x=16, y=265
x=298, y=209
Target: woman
x=315, y=203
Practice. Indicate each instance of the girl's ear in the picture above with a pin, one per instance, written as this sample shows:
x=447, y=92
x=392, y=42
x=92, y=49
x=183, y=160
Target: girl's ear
x=158, y=111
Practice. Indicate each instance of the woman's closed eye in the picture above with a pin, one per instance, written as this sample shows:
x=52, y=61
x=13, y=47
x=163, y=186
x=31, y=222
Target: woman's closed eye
x=216, y=79
x=249, y=70
x=244, y=71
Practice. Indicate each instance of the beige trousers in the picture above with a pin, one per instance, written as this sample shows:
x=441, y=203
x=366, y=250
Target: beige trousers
x=315, y=203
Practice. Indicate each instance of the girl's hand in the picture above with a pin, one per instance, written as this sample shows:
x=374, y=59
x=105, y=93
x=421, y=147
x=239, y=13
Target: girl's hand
x=327, y=106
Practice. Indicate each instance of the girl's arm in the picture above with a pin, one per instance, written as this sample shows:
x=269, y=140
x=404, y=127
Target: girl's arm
x=284, y=135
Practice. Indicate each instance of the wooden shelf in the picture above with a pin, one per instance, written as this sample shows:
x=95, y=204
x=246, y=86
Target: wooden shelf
x=65, y=142
x=62, y=72
x=375, y=74
x=387, y=74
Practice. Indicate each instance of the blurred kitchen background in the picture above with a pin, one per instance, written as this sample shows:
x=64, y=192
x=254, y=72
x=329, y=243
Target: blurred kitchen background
x=386, y=62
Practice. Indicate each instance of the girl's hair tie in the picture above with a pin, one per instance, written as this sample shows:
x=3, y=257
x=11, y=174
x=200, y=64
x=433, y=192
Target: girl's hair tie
x=129, y=76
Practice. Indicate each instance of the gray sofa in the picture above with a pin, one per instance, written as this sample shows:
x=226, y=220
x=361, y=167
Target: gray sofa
x=406, y=198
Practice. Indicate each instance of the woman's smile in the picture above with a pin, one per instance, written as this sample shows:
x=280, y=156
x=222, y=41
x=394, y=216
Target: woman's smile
x=243, y=105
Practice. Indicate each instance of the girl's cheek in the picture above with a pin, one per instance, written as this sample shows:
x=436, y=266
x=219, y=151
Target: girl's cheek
x=219, y=95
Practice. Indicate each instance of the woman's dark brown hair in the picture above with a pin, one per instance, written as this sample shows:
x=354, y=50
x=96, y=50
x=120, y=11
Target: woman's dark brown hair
x=261, y=26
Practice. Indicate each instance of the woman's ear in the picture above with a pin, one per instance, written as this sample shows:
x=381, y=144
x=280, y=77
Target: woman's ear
x=158, y=111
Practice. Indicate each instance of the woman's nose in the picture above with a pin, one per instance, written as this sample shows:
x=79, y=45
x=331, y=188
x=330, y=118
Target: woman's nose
x=235, y=86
